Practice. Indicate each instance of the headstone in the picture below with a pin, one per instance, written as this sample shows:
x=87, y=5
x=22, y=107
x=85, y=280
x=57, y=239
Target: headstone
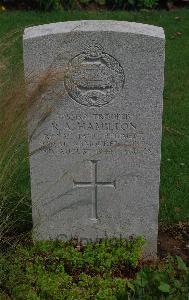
x=95, y=154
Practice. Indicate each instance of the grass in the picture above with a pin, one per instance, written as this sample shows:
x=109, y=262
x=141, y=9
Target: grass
x=174, y=189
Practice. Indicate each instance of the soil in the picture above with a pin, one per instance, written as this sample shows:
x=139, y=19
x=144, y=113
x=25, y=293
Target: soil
x=174, y=240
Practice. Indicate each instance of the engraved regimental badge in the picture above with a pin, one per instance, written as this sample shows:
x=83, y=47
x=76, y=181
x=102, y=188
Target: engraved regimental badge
x=93, y=77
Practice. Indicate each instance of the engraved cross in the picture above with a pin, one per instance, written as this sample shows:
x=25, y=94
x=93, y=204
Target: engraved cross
x=94, y=187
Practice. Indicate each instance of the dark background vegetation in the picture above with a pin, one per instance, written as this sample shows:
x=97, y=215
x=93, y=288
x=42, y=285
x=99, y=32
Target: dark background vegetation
x=93, y=4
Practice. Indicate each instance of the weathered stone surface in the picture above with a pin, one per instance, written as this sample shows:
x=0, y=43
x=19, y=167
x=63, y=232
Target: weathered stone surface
x=95, y=156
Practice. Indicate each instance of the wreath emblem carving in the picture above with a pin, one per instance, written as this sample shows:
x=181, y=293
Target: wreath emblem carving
x=93, y=77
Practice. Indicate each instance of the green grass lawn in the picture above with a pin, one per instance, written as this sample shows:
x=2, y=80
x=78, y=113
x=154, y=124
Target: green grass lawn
x=174, y=190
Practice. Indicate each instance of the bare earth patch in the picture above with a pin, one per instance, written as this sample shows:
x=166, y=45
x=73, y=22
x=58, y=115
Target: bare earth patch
x=174, y=240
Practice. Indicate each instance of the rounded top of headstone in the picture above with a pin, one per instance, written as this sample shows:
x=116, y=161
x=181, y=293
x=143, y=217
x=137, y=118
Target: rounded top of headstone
x=94, y=25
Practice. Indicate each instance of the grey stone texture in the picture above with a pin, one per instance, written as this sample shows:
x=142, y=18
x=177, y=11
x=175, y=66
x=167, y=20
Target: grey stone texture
x=95, y=135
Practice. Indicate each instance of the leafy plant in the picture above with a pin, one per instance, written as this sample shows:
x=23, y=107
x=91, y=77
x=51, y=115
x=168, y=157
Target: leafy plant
x=62, y=270
x=147, y=3
x=49, y=5
x=71, y=4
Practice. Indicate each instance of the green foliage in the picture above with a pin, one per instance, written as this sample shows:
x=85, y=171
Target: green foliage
x=166, y=281
x=112, y=253
x=61, y=270
x=71, y=4
x=147, y=3
x=48, y=5
x=58, y=270
x=131, y=4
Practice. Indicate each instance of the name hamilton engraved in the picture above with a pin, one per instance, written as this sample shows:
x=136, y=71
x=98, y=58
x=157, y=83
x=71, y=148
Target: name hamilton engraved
x=93, y=78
